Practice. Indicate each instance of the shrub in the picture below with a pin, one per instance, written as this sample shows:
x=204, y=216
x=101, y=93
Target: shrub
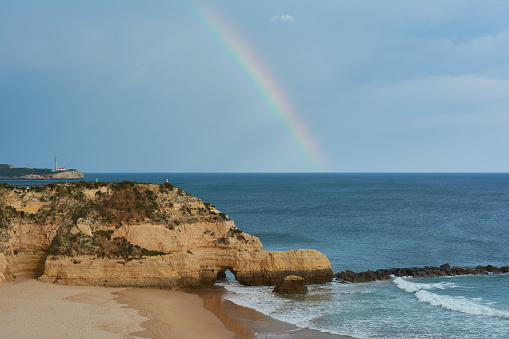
x=223, y=241
x=166, y=187
x=222, y=216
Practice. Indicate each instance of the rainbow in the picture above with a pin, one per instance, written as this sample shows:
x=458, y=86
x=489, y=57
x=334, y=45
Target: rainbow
x=263, y=83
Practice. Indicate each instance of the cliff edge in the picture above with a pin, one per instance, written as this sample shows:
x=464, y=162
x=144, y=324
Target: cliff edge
x=132, y=234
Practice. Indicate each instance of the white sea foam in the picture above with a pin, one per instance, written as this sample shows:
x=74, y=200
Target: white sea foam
x=256, y=297
x=462, y=304
x=356, y=309
x=413, y=287
x=288, y=309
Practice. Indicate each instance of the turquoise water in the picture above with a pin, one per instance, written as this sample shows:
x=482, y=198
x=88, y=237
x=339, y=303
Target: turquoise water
x=372, y=221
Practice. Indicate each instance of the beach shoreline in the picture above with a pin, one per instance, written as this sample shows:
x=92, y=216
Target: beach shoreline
x=249, y=323
x=172, y=314
x=30, y=308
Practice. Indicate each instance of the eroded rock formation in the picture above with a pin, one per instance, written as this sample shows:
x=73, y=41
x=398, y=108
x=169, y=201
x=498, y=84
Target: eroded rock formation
x=131, y=234
x=291, y=284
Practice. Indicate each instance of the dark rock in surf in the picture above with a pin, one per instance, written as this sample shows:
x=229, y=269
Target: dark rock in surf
x=416, y=272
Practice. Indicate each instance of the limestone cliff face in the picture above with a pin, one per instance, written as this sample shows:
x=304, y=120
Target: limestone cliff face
x=130, y=234
x=265, y=267
x=3, y=267
x=26, y=263
x=195, y=269
x=172, y=271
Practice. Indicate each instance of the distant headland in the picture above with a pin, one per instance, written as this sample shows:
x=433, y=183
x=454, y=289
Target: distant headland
x=9, y=172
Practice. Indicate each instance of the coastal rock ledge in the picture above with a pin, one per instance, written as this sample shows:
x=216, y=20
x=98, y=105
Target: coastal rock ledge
x=132, y=234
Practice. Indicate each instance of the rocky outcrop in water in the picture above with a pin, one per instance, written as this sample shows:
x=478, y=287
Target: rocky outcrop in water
x=291, y=284
x=416, y=272
x=131, y=234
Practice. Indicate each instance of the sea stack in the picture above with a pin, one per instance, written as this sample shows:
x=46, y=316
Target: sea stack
x=291, y=284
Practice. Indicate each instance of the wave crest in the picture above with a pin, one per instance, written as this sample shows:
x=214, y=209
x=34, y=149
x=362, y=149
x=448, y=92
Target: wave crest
x=459, y=304
x=412, y=287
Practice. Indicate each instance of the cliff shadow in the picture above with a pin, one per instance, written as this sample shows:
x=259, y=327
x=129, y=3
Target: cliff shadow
x=26, y=263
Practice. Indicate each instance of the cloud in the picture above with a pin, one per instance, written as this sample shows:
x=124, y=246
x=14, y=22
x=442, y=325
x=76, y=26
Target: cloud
x=488, y=41
x=465, y=100
x=468, y=88
x=283, y=17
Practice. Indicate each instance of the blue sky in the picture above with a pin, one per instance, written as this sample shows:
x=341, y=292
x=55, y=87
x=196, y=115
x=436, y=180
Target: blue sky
x=143, y=86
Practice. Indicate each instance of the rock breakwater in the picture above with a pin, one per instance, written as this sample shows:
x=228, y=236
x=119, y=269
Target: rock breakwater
x=416, y=272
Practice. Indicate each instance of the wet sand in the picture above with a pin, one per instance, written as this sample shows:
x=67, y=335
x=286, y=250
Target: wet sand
x=172, y=314
x=29, y=308
x=248, y=323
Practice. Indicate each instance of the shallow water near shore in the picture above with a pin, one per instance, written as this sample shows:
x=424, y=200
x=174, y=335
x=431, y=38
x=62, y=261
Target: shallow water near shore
x=247, y=323
x=372, y=221
x=466, y=307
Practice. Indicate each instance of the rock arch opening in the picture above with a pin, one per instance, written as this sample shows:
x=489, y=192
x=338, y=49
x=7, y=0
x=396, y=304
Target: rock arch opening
x=226, y=273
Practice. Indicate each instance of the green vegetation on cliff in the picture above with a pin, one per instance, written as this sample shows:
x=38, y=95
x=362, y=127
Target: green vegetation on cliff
x=11, y=171
x=100, y=244
x=84, y=214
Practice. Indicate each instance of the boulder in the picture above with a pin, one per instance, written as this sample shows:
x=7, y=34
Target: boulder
x=291, y=284
x=445, y=267
x=472, y=271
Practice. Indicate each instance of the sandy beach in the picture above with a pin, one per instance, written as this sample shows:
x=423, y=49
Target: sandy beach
x=30, y=309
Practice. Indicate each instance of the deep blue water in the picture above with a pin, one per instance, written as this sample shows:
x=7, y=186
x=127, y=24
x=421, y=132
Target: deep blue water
x=362, y=221
x=371, y=221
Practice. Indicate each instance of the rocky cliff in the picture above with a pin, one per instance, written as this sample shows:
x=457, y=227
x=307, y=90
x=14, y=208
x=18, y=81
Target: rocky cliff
x=3, y=267
x=131, y=234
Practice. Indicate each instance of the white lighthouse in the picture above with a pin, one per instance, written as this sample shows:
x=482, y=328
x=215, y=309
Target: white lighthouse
x=56, y=166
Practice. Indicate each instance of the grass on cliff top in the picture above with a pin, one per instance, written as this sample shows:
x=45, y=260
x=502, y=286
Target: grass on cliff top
x=114, y=203
x=100, y=203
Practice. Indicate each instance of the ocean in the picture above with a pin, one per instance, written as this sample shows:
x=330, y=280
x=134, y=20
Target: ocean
x=372, y=221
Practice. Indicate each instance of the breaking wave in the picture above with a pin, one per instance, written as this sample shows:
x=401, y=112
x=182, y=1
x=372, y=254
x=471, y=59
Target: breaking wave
x=412, y=287
x=457, y=303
